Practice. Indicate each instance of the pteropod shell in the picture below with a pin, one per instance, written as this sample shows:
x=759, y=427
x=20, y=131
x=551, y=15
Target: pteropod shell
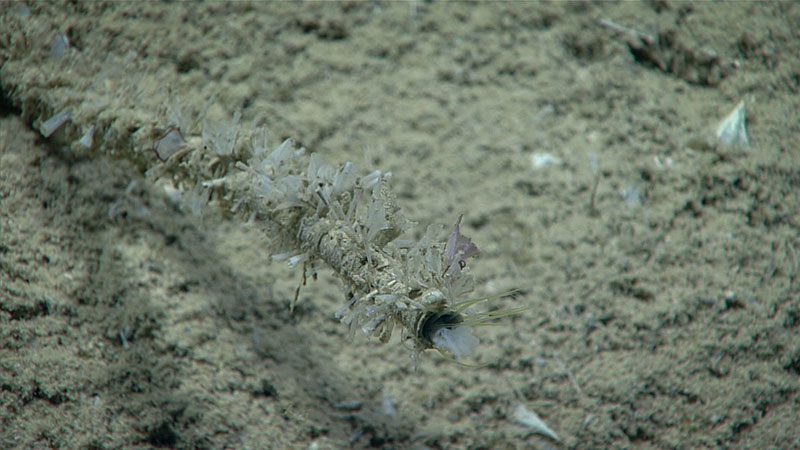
x=731, y=131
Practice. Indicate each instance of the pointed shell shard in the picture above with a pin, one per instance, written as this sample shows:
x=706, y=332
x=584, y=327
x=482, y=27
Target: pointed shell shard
x=48, y=127
x=731, y=131
x=87, y=140
x=530, y=419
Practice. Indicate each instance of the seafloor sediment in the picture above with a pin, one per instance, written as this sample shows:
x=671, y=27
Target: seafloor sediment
x=577, y=139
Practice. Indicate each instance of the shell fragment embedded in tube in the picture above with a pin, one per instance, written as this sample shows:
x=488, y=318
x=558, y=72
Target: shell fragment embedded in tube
x=168, y=144
x=48, y=127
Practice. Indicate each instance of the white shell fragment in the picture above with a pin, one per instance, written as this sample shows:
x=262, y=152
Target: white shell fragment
x=539, y=160
x=59, y=45
x=87, y=140
x=168, y=144
x=530, y=419
x=54, y=123
x=387, y=405
x=731, y=131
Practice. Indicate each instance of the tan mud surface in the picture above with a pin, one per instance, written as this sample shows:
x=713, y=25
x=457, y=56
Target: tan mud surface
x=664, y=306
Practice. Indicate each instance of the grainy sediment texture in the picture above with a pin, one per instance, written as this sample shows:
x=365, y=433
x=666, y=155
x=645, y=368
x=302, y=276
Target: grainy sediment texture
x=665, y=316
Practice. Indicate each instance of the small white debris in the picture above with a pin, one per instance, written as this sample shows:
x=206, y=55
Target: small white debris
x=54, y=123
x=124, y=341
x=631, y=193
x=666, y=163
x=540, y=160
x=545, y=113
x=87, y=140
x=59, y=46
x=387, y=405
x=530, y=419
x=173, y=195
x=283, y=256
x=731, y=131
x=348, y=405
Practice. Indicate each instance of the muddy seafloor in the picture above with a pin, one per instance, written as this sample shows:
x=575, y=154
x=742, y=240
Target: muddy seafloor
x=659, y=267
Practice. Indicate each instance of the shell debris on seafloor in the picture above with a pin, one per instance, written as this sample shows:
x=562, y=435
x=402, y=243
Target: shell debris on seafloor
x=731, y=131
x=540, y=160
x=530, y=419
